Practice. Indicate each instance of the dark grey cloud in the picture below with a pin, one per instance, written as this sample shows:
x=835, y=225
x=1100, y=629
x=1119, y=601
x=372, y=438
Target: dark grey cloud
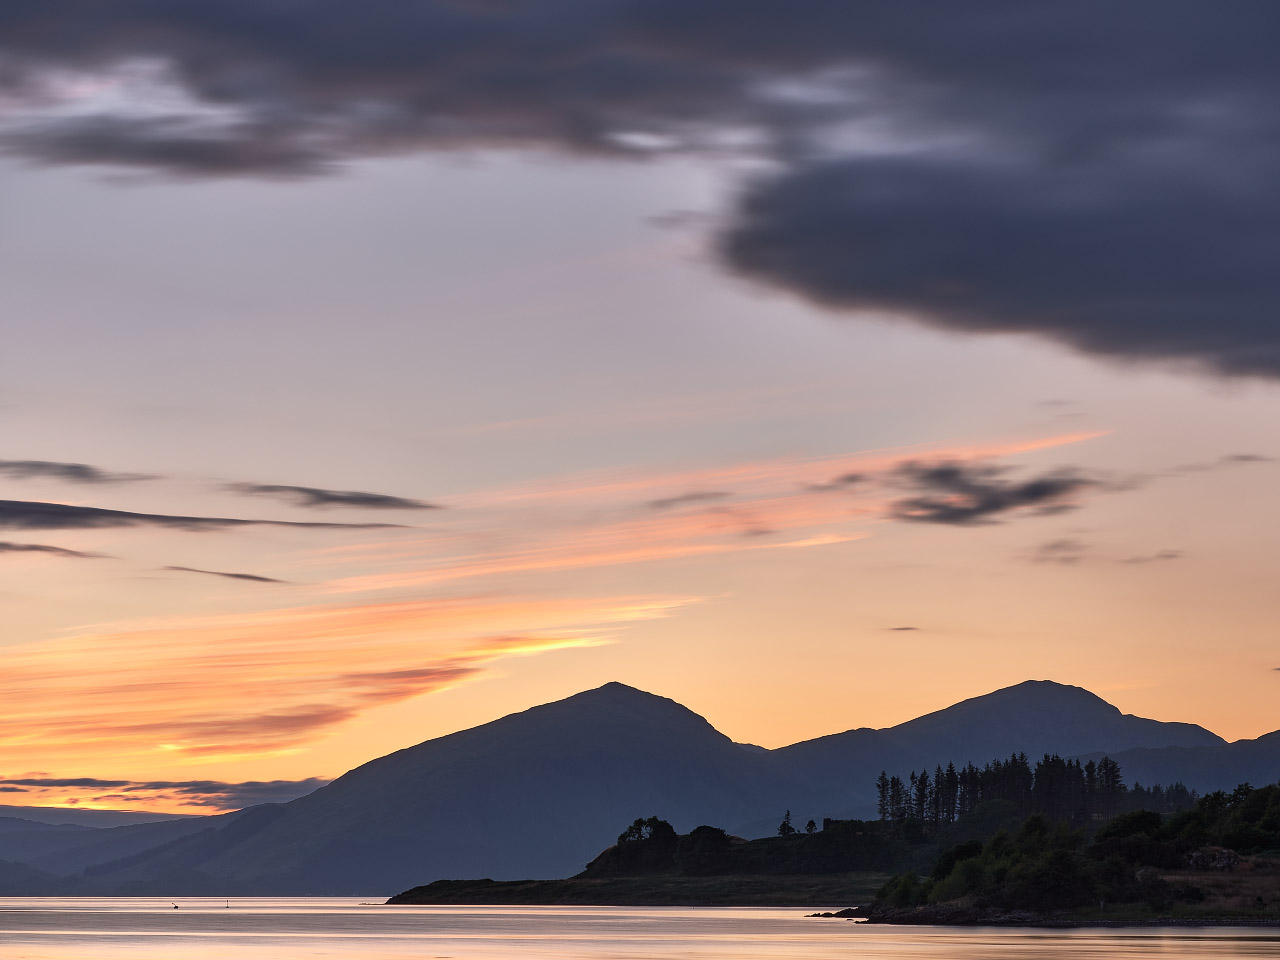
x=964, y=494
x=693, y=497
x=8, y=547
x=1128, y=263
x=35, y=515
x=319, y=497
x=1102, y=174
x=214, y=793
x=252, y=577
x=902, y=629
x=73, y=472
x=1064, y=551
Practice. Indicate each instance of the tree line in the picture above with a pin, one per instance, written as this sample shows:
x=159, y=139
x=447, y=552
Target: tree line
x=1044, y=867
x=1058, y=789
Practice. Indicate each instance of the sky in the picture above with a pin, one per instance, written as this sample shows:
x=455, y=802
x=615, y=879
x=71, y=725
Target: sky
x=373, y=373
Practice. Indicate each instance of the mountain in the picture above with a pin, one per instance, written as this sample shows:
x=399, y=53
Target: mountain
x=539, y=793
x=1034, y=717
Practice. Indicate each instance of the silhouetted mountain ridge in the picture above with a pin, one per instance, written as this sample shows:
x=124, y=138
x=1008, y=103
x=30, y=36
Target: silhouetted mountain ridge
x=540, y=792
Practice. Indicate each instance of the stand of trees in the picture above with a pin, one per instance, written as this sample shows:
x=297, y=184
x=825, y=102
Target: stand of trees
x=1060, y=790
x=1045, y=867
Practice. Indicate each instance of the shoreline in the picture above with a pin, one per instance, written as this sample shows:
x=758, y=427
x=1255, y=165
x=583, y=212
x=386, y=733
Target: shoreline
x=969, y=917
x=656, y=891
x=1067, y=924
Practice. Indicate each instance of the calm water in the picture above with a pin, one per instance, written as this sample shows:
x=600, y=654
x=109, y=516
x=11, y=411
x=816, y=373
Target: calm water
x=268, y=929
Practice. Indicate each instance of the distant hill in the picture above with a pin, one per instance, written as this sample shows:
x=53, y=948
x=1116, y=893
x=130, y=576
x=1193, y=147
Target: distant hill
x=69, y=850
x=539, y=793
x=83, y=817
x=14, y=825
x=1256, y=762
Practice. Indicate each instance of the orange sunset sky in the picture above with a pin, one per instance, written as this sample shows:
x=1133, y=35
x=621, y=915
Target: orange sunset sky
x=303, y=463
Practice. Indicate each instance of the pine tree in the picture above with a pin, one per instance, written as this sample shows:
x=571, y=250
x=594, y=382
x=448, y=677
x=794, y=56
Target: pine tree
x=882, y=795
x=922, y=795
x=897, y=800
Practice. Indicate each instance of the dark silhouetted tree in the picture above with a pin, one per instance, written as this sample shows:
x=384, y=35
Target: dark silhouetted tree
x=705, y=851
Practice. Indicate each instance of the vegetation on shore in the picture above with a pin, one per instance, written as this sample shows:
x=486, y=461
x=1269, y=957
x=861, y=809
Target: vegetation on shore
x=1219, y=859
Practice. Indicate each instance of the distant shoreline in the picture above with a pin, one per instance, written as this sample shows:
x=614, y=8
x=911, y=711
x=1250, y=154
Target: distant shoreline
x=1059, y=923
x=944, y=916
x=808, y=891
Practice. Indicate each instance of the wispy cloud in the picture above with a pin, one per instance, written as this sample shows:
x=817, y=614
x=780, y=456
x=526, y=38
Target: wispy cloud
x=1230, y=460
x=71, y=472
x=842, y=482
x=583, y=522
x=211, y=795
x=1069, y=552
x=252, y=577
x=1160, y=556
x=1064, y=551
x=649, y=539
x=320, y=497
x=35, y=515
x=260, y=683
x=758, y=477
x=8, y=547
x=686, y=499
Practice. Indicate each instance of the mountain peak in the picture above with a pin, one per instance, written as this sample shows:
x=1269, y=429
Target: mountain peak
x=618, y=700
x=1047, y=716
x=1044, y=692
x=616, y=688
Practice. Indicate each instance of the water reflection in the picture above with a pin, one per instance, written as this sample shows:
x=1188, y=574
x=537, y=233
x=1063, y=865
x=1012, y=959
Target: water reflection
x=278, y=929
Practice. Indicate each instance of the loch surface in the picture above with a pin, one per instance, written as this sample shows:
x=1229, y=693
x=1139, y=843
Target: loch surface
x=300, y=929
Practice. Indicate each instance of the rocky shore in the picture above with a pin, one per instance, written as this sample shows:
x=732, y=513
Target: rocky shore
x=968, y=915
